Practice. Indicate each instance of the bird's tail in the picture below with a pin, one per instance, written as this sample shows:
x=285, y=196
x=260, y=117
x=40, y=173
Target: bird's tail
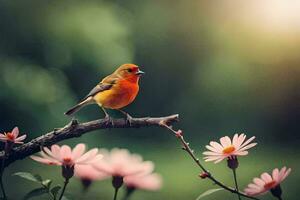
x=77, y=107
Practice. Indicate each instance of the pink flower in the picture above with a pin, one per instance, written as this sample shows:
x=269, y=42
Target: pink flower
x=267, y=182
x=144, y=182
x=88, y=173
x=66, y=157
x=119, y=162
x=227, y=148
x=12, y=136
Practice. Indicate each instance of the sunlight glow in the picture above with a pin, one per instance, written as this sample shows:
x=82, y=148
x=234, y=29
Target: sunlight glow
x=277, y=15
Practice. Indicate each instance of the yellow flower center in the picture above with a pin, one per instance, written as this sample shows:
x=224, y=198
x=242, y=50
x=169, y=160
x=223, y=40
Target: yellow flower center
x=228, y=149
x=270, y=185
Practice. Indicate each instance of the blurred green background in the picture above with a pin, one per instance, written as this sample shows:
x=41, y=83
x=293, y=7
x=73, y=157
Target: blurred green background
x=225, y=66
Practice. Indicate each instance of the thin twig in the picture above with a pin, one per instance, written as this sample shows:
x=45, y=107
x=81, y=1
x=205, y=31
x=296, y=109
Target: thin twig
x=75, y=129
x=186, y=147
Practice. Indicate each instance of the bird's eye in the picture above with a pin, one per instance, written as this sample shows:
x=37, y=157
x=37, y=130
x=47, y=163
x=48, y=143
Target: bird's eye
x=129, y=70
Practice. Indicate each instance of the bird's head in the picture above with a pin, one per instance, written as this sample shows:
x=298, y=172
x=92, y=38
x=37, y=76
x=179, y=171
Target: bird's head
x=130, y=72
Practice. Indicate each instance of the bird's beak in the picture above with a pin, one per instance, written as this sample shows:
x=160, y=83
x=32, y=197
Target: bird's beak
x=139, y=72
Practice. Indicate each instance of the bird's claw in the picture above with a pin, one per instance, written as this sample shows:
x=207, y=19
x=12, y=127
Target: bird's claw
x=108, y=120
x=129, y=119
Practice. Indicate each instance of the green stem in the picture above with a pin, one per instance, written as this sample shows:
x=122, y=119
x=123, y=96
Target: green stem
x=64, y=188
x=236, y=184
x=116, y=193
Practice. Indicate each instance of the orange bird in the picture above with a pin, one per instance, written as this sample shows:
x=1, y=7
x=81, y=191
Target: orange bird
x=114, y=91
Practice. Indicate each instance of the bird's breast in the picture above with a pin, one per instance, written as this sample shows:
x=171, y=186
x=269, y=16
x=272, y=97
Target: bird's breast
x=120, y=95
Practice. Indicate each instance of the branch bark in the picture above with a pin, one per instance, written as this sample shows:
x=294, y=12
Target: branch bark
x=75, y=129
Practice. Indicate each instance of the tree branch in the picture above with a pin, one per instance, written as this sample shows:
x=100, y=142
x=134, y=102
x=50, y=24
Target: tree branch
x=186, y=147
x=75, y=129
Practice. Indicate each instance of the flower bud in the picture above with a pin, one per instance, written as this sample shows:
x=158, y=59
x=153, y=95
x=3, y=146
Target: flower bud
x=232, y=162
x=276, y=191
x=129, y=191
x=86, y=183
x=117, y=181
x=67, y=171
x=179, y=133
x=204, y=175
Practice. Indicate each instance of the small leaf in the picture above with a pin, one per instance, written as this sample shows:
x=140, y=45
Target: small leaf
x=29, y=176
x=208, y=192
x=55, y=190
x=47, y=183
x=35, y=192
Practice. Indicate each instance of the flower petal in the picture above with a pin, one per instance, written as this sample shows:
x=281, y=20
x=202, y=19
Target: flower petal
x=287, y=172
x=240, y=140
x=281, y=172
x=211, y=158
x=98, y=158
x=247, y=142
x=2, y=136
x=247, y=147
x=241, y=153
x=55, y=150
x=21, y=138
x=48, y=151
x=219, y=160
x=266, y=177
x=78, y=151
x=15, y=132
x=88, y=156
x=275, y=175
x=235, y=140
x=216, y=146
x=44, y=160
x=209, y=153
x=225, y=141
x=18, y=142
x=259, y=182
x=213, y=149
x=65, y=152
x=254, y=186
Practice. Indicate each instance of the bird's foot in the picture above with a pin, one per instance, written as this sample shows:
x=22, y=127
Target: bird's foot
x=109, y=120
x=129, y=119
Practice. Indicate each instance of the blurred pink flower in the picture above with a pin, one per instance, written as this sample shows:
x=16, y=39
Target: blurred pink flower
x=87, y=172
x=144, y=182
x=119, y=162
x=267, y=182
x=12, y=136
x=66, y=157
x=227, y=148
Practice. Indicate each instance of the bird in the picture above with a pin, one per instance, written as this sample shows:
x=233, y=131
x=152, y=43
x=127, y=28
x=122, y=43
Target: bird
x=115, y=91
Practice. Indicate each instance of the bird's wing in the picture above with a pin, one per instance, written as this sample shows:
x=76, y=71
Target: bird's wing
x=105, y=84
